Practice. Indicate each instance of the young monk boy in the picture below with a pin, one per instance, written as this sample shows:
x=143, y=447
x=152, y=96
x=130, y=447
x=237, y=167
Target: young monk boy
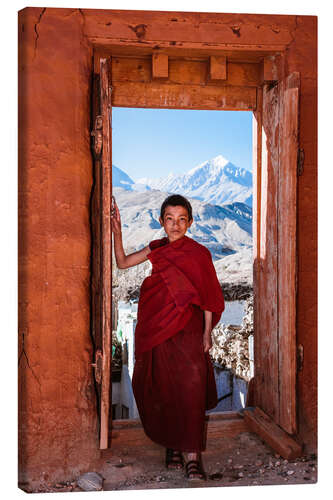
x=180, y=302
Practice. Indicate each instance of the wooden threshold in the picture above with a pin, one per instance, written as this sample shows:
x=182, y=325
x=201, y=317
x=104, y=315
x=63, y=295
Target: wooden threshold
x=128, y=433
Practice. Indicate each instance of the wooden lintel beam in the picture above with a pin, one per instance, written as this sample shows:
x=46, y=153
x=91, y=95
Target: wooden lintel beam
x=184, y=71
x=160, y=66
x=234, y=52
x=271, y=69
x=217, y=68
x=272, y=434
x=159, y=94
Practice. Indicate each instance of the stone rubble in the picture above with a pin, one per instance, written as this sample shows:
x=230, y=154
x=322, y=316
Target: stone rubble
x=90, y=481
x=237, y=291
x=230, y=344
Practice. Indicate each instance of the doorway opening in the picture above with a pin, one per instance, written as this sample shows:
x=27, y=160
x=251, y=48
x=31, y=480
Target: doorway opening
x=213, y=83
x=206, y=156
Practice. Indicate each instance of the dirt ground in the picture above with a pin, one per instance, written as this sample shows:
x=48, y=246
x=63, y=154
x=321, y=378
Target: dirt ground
x=240, y=461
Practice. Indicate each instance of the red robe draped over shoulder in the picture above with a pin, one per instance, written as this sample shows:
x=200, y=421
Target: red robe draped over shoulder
x=183, y=276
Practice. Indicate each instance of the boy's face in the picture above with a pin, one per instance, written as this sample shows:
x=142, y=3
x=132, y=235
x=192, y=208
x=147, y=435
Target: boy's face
x=175, y=222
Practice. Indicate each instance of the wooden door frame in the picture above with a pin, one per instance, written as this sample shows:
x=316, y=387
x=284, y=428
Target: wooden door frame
x=270, y=63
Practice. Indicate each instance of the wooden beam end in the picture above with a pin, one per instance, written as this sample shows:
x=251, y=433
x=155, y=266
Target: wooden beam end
x=160, y=66
x=217, y=68
x=271, y=69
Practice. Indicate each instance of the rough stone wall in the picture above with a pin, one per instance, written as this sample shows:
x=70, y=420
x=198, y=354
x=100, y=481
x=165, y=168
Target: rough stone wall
x=57, y=417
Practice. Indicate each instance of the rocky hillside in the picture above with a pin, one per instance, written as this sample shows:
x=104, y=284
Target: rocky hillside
x=224, y=230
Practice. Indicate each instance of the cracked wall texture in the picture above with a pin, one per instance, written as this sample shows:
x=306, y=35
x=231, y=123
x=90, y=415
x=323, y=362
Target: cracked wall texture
x=58, y=432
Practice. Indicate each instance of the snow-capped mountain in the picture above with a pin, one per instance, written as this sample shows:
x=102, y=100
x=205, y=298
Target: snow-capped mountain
x=121, y=179
x=216, y=181
x=223, y=230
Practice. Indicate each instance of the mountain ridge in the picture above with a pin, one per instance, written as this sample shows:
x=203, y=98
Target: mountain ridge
x=216, y=181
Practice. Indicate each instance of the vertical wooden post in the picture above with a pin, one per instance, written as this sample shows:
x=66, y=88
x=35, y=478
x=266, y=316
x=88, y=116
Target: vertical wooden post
x=106, y=109
x=289, y=97
x=256, y=162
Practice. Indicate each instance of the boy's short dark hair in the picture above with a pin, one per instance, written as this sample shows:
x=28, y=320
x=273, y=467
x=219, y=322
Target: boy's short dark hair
x=175, y=200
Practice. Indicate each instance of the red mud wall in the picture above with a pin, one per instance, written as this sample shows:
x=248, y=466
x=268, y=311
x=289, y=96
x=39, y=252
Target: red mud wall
x=57, y=418
x=58, y=435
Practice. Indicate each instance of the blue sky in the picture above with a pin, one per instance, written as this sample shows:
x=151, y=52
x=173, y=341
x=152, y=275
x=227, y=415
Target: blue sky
x=155, y=142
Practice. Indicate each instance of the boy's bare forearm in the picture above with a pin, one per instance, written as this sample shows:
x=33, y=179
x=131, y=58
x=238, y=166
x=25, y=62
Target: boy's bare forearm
x=207, y=338
x=124, y=261
x=119, y=250
x=208, y=322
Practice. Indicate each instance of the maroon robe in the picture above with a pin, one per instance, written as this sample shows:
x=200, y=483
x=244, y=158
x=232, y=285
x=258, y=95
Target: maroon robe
x=173, y=380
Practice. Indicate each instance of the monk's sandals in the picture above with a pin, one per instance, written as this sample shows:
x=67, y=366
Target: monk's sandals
x=194, y=471
x=174, y=459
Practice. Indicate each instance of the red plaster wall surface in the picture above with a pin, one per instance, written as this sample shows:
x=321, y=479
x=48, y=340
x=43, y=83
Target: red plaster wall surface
x=58, y=435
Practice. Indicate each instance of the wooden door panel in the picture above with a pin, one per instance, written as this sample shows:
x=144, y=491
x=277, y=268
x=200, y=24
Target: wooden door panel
x=275, y=334
x=266, y=335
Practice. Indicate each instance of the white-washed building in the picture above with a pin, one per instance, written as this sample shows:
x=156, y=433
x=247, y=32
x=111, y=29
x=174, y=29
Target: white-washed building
x=123, y=401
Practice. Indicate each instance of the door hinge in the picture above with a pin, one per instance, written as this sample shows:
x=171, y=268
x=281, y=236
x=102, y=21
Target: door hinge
x=300, y=161
x=98, y=365
x=300, y=357
x=97, y=135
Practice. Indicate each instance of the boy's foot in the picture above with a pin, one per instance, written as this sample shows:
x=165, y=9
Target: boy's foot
x=194, y=471
x=173, y=459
